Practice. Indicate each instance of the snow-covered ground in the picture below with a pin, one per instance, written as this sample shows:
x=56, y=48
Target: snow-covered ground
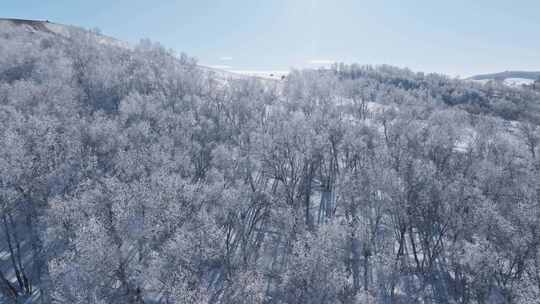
x=277, y=75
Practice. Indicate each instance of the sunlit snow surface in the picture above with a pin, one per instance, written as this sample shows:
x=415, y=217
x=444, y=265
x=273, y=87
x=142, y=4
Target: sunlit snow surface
x=515, y=82
x=263, y=74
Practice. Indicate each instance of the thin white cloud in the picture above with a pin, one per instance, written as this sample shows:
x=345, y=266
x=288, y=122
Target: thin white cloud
x=225, y=58
x=321, y=61
x=220, y=67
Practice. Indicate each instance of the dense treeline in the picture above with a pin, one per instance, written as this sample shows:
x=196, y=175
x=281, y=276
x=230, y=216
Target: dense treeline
x=492, y=98
x=133, y=176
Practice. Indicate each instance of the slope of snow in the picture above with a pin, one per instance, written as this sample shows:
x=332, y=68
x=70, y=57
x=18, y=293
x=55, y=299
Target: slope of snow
x=45, y=27
x=517, y=82
x=276, y=75
x=51, y=28
x=31, y=26
x=509, y=74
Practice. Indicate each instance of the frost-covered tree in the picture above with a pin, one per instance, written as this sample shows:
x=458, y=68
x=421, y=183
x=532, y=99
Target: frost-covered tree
x=132, y=175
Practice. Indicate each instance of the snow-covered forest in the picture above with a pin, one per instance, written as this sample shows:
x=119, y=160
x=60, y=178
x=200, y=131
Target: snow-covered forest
x=132, y=175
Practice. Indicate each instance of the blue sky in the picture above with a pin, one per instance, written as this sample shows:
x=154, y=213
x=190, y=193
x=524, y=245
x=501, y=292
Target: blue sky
x=458, y=37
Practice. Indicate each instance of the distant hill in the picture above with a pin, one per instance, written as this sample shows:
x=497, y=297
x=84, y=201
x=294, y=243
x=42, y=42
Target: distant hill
x=532, y=75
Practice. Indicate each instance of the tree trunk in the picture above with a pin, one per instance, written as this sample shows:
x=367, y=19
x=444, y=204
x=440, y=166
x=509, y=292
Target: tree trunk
x=355, y=252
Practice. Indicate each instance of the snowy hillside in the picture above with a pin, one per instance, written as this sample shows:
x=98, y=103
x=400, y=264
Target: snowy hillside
x=510, y=78
x=511, y=82
x=516, y=82
x=45, y=27
x=61, y=31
